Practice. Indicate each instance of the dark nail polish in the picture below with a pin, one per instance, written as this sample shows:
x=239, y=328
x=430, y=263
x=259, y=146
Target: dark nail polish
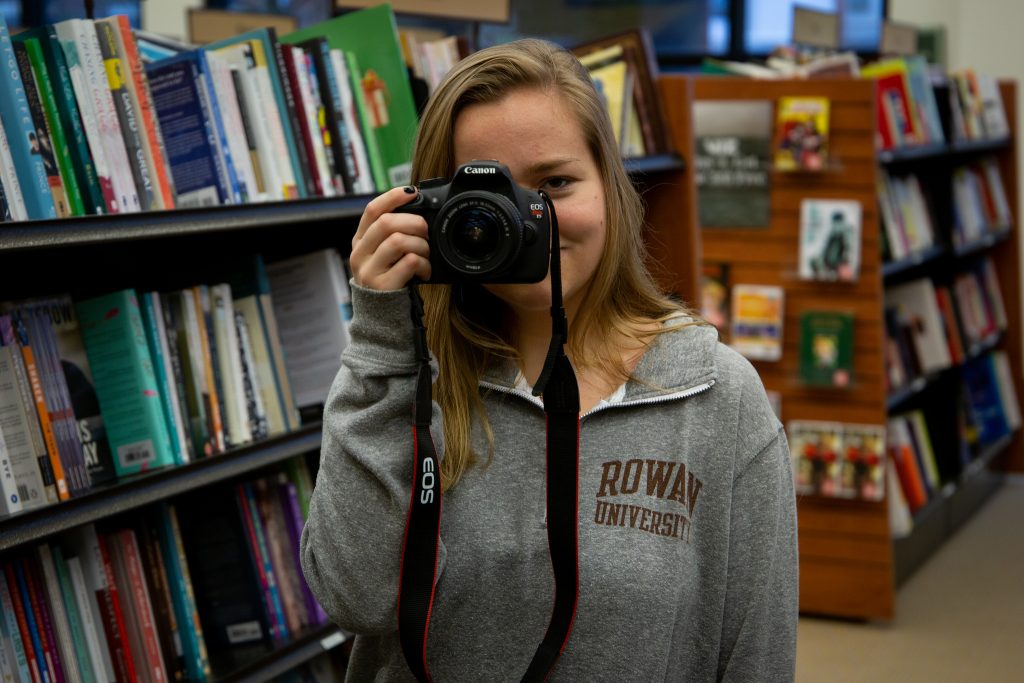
x=409, y=189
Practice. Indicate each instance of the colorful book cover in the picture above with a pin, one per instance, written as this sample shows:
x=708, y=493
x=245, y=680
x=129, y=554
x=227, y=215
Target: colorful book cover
x=830, y=231
x=897, y=116
x=11, y=634
x=31, y=629
x=371, y=36
x=46, y=576
x=801, y=133
x=115, y=342
x=816, y=447
x=757, y=321
x=150, y=321
x=22, y=138
x=826, y=348
x=74, y=616
x=863, y=462
x=180, y=107
x=42, y=140
x=340, y=135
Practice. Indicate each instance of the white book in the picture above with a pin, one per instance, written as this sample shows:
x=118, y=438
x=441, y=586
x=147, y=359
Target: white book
x=11, y=502
x=363, y=182
x=9, y=178
x=16, y=424
x=309, y=317
x=195, y=356
x=254, y=406
x=240, y=57
x=262, y=365
x=103, y=107
x=916, y=302
x=223, y=315
x=309, y=111
x=58, y=614
x=88, y=578
x=227, y=102
x=168, y=367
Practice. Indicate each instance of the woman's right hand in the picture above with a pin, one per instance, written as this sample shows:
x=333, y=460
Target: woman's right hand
x=390, y=248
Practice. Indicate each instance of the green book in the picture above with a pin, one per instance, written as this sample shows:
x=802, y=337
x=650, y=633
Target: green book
x=115, y=342
x=369, y=38
x=74, y=618
x=826, y=348
x=57, y=137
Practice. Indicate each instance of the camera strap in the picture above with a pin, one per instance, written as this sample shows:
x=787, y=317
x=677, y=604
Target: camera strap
x=417, y=583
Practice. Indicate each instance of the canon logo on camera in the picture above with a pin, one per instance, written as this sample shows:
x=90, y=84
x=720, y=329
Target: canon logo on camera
x=483, y=169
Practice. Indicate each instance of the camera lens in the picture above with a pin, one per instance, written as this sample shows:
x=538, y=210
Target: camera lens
x=475, y=234
x=479, y=234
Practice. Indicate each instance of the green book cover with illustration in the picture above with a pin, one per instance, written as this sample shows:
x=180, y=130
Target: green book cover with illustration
x=370, y=36
x=826, y=348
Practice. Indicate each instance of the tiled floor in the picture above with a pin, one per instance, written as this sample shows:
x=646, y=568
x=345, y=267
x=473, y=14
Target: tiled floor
x=959, y=618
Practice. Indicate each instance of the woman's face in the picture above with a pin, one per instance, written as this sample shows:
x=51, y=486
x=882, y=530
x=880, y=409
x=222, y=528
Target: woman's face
x=535, y=134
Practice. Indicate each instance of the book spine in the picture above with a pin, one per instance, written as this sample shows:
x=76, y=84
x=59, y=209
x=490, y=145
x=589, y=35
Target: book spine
x=191, y=354
x=249, y=130
x=41, y=610
x=58, y=136
x=283, y=145
x=127, y=116
x=324, y=134
x=75, y=67
x=246, y=513
x=42, y=139
x=363, y=182
x=341, y=135
x=16, y=119
x=207, y=349
x=284, y=383
x=103, y=106
x=300, y=119
x=36, y=385
x=123, y=660
x=373, y=152
x=177, y=374
x=144, y=607
x=273, y=584
x=29, y=636
x=13, y=633
x=156, y=154
x=71, y=119
x=58, y=400
x=150, y=301
x=284, y=96
x=74, y=617
x=92, y=624
x=253, y=393
x=65, y=646
x=215, y=123
x=11, y=502
x=294, y=523
x=196, y=661
x=280, y=560
x=163, y=608
x=12, y=186
x=35, y=631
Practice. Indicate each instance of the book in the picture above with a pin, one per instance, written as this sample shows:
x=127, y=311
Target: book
x=75, y=617
x=155, y=572
x=32, y=633
x=92, y=620
x=40, y=138
x=362, y=180
x=115, y=342
x=59, y=138
x=918, y=307
x=801, y=133
x=981, y=379
x=816, y=447
x=128, y=115
x=614, y=82
x=370, y=38
x=207, y=355
x=10, y=502
x=862, y=462
x=14, y=203
x=757, y=321
x=340, y=135
x=184, y=116
x=16, y=120
x=901, y=452
x=227, y=593
x=830, y=237
x=229, y=358
x=60, y=314
x=307, y=301
x=826, y=348
x=179, y=578
x=156, y=342
x=10, y=634
x=65, y=646
x=897, y=119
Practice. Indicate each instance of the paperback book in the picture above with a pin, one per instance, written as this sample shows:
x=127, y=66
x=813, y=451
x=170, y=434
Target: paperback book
x=830, y=231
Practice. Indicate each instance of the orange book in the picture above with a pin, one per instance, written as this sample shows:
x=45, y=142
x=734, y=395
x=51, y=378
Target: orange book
x=216, y=423
x=144, y=105
x=901, y=450
x=142, y=604
x=49, y=438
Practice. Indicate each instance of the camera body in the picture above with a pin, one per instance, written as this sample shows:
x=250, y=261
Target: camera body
x=482, y=227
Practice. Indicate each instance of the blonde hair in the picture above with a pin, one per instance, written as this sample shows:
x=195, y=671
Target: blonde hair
x=465, y=324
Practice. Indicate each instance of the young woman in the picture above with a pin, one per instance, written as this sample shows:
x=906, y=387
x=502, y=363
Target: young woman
x=687, y=523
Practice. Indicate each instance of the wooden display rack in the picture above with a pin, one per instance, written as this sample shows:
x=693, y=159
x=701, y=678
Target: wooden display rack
x=848, y=566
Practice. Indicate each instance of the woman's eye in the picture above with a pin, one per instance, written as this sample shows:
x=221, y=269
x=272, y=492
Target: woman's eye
x=555, y=184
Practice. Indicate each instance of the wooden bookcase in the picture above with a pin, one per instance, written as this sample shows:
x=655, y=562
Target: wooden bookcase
x=849, y=564
x=93, y=255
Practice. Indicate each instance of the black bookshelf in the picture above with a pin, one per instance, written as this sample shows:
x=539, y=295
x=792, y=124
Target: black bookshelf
x=265, y=663
x=913, y=264
x=941, y=151
x=902, y=396
x=983, y=243
x=134, y=492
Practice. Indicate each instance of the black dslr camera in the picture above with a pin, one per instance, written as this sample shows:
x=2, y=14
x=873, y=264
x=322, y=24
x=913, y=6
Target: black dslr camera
x=483, y=227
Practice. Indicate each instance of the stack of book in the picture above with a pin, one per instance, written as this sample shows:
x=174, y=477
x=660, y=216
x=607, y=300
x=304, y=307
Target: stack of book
x=97, y=120
x=980, y=204
x=131, y=381
x=157, y=597
x=906, y=215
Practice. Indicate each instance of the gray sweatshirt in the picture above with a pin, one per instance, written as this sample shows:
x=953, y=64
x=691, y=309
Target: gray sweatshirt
x=687, y=521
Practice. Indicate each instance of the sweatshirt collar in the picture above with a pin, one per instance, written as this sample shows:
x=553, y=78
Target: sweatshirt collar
x=674, y=362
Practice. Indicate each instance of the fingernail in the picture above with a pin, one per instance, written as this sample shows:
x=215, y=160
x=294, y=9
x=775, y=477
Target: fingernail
x=409, y=189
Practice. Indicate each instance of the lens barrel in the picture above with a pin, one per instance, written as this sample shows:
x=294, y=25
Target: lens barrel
x=478, y=233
